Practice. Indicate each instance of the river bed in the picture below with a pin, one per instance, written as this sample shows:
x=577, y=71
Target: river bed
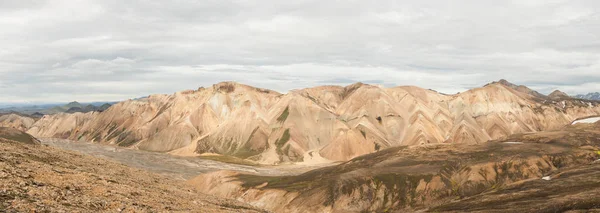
x=173, y=166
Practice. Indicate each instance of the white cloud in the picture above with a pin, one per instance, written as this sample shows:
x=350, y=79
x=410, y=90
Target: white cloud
x=108, y=50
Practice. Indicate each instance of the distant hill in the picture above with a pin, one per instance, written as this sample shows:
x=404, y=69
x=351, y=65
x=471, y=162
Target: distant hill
x=557, y=94
x=17, y=121
x=48, y=109
x=17, y=136
x=590, y=96
x=75, y=106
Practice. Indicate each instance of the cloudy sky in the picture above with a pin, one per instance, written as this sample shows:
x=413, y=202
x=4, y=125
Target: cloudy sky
x=100, y=50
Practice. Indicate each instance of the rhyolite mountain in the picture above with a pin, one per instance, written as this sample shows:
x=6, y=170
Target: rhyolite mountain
x=315, y=124
x=16, y=121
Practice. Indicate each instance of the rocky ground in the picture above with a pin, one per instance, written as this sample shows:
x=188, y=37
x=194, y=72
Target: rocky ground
x=504, y=174
x=38, y=178
x=569, y=190
x=498, y=176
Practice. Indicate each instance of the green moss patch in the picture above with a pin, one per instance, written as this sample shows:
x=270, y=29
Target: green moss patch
x=284, y=115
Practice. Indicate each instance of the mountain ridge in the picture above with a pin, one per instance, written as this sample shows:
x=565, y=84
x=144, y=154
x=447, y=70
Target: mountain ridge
x=334, y=123
x=589, y=96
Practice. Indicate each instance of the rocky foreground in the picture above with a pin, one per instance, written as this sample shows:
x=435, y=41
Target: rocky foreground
x=37, y=178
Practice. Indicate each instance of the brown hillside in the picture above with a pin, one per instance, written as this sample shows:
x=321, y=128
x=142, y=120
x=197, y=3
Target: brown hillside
x=315, y=124
x=45, y=179
x=406, y=179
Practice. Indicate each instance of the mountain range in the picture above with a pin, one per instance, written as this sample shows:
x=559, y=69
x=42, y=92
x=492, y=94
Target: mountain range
x=375, y=149
x=72, y=107
x=312, y=125
x=496, y=176
x=589, y=96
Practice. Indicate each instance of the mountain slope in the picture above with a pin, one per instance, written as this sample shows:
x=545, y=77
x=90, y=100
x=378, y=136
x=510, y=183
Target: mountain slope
x=407, y=179
x=571, y=190
x=20, y=122
x=37, y=178
x=315, y=124
x=13, y=134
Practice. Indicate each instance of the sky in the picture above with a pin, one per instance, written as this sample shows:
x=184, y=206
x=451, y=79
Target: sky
x=109, y=50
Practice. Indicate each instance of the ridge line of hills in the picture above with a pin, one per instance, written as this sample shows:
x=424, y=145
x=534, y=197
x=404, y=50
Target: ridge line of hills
x=312, y=125
x=589, y=96
x=37, y=111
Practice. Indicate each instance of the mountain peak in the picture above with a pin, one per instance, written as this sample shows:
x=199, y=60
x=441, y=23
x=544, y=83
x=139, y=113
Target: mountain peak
x=355, y=85
x=73, y=104
x=557, y=94
x=226, y=86
x=505, y=82
x=350, y=89
x=231, y=86
x=519, y=88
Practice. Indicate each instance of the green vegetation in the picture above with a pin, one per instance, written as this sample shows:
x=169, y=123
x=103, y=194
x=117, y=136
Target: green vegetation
x=311, y=98
x=127, y=143
x=284, y=139
x=560, y=195
x=81, y=136
x=125, y=140
x=114, y=132
x=246, y=151
x=284, y=115
x=400, y=190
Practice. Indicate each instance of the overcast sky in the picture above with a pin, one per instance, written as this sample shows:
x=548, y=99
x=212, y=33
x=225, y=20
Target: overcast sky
x=100, y=50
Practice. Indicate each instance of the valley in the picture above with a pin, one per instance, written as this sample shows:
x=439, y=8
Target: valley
x=359, y=148
x=313, y=125
x=176, y=167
